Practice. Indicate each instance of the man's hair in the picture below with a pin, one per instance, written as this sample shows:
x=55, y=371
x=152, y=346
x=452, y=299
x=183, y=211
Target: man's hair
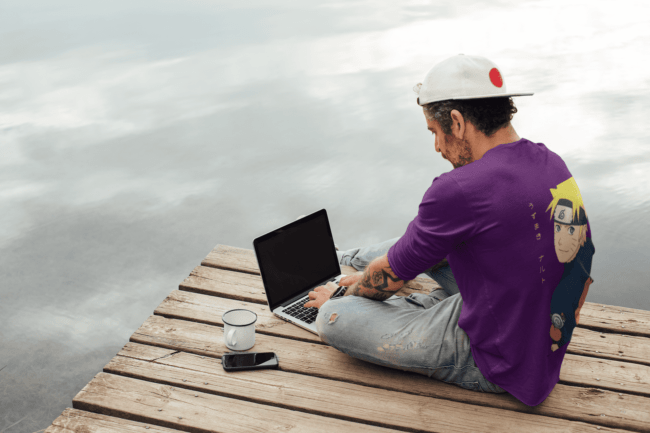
x=488, y=115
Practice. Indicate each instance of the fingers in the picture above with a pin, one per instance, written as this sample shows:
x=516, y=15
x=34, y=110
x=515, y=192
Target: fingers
x=320, y=295
x=350, y=279
x=345, y=281
x=316, y=303
x=329, y=287
x=317, y=298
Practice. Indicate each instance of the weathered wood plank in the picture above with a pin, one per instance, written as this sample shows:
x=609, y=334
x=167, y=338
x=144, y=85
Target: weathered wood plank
x=244, y=260
x=325, y=361
x=79, y=421
x=195, y=411
x=598, y=317
x=247, y=287
x=579, y=370
x=607, y=374
x=619, y=347
x=334, y=398
x=225, y=284
x=232, y=258
x=208, y=309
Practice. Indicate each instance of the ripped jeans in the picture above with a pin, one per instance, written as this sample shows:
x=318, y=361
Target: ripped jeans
x=418, y=333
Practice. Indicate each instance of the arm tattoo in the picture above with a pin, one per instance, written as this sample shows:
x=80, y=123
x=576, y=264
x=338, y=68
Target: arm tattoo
x=378, y=282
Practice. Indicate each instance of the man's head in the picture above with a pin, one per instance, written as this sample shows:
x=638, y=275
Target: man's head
x=467, y=106
x=486, y=117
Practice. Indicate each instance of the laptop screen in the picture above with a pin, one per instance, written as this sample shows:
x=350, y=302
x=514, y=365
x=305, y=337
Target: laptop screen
x=297, y=257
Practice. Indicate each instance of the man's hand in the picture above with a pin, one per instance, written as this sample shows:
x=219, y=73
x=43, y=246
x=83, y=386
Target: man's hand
x=320, y=295
x=349, y=280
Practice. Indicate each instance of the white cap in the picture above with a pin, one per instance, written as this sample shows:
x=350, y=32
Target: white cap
x=463, y=77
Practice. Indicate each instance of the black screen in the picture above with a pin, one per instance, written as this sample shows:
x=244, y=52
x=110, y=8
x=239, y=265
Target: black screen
x=297, y=257
x=248, y=359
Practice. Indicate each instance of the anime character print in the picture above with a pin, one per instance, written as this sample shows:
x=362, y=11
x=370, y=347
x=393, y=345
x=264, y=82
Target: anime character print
x=575, y=250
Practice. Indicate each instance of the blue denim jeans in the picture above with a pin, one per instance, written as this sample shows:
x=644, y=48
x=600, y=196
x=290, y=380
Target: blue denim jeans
x=418, y=333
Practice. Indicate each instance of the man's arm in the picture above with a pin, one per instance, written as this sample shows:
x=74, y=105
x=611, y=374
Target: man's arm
x=378, y=281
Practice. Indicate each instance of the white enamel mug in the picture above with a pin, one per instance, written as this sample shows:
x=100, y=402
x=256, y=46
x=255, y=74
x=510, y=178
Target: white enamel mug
x=239, y=329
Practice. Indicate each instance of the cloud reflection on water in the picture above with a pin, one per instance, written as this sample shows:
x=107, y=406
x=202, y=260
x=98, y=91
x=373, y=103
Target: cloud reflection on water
x=136, y=137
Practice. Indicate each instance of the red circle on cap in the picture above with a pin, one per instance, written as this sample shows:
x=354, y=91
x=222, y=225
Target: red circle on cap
x=495, y=77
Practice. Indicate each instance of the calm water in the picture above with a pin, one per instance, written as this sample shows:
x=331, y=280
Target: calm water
x=135, y=136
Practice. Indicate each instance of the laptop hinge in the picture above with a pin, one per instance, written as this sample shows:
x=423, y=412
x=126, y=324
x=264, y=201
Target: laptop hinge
x=302, y=294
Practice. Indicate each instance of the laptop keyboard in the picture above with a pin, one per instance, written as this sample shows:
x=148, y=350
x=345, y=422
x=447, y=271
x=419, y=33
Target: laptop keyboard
x=297, y=310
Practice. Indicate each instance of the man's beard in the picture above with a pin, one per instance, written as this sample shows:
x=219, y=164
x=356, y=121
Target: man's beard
x=463, y=150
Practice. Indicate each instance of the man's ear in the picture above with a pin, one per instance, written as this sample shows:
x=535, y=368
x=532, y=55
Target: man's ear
x=457, y=124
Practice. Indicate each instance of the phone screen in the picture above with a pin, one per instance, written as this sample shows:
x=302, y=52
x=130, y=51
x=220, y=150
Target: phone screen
x=248, y=359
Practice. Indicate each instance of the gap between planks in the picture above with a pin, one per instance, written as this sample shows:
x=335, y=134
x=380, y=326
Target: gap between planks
x=79, y=421
x=599, y=317
x=578, y=370
x=356, y=402
x=325, y=361
x=208, y=309
x=187, y=410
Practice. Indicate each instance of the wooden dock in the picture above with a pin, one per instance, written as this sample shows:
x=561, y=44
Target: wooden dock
x=169, y=376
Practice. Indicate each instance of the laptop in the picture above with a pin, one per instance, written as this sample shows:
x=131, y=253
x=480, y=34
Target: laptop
x=294, y=260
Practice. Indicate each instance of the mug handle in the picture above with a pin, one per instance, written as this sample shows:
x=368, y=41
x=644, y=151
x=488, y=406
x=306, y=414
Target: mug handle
x=230, y=338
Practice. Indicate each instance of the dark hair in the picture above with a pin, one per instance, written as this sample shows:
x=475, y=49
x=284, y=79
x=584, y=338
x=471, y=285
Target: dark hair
x=488, y=115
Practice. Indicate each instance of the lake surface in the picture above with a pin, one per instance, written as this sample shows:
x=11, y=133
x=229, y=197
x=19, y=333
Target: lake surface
x=136, y=136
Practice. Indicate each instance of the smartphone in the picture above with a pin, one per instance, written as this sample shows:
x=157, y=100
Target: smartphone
x=249, y=361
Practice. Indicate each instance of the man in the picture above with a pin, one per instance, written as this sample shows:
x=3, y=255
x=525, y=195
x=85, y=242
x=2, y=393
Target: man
x=487, y=328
